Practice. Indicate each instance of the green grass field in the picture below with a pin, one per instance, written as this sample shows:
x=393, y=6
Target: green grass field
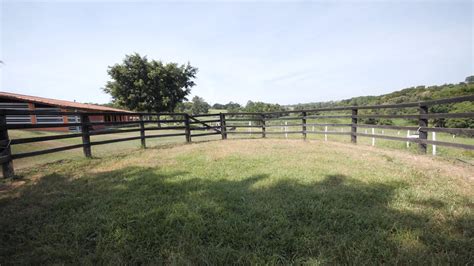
x=97, y=151
x=442, y=151
x=107, y=149
x=242, y=202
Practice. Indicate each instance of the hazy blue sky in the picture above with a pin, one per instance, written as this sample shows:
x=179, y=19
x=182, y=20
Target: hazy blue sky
x=285, y=52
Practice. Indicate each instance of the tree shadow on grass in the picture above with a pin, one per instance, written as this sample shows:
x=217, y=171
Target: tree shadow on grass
x=143, y=215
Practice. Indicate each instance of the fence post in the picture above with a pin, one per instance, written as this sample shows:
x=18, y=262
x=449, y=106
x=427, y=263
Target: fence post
x=408, y=135
x=423, y=122
x=303, y=120
x=187, y=128
x=373, y=138
x=7, y=166
x=86, y=138
x=264, y=135
x=142, y=132
x=354, y=126
x=223, y=126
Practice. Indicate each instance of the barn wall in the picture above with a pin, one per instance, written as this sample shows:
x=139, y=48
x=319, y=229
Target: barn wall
x=97, y=118
x=37, y=119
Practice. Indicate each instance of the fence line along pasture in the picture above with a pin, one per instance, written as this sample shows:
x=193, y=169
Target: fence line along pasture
x=225, y=124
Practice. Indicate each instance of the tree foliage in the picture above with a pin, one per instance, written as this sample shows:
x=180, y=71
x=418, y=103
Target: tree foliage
x=218, y=106
x=412, y=94
x=199, y=106
x=470, y=79
x=258, y=107
x=196, y=106
x=230, y=107
x=140, y=84
x=184, y=107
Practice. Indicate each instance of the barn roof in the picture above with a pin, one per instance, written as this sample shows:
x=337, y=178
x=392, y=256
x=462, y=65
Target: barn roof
x=58, y=103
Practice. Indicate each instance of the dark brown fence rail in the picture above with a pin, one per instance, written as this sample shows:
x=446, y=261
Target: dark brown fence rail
x=227, y=123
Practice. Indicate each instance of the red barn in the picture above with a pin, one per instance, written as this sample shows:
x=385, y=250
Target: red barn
x=25, y=102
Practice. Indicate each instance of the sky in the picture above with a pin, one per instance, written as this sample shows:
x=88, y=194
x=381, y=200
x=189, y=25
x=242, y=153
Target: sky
x=278, y=52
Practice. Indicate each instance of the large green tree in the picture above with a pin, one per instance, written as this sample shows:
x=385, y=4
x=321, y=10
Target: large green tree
x=149, y=85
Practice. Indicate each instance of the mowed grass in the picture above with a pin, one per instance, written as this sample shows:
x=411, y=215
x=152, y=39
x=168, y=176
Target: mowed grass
x=242, y=202
x=316, y=133
x=97, y=150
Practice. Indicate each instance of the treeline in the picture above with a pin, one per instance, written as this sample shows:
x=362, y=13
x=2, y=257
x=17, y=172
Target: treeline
x=140, y=84
x=412, y=94
x=250, y=107
x=199, y=106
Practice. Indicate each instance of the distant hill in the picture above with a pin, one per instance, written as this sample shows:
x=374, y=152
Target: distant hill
x=412, y=94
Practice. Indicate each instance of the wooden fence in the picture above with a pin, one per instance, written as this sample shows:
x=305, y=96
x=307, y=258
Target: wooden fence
x=224, y=124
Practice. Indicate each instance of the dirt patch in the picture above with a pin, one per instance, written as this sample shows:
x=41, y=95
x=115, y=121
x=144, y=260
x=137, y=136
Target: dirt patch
x=7, y=188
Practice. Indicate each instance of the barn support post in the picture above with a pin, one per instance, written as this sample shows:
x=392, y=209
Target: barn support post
x=354, y=126
x=7, y=163
x=65, y=117
x=31, y=107
x=264, y=133
x=187, y=128
x=142, y=133
x=303, y=120
x=423, y=122
x=223, y=127
x=86, y=138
